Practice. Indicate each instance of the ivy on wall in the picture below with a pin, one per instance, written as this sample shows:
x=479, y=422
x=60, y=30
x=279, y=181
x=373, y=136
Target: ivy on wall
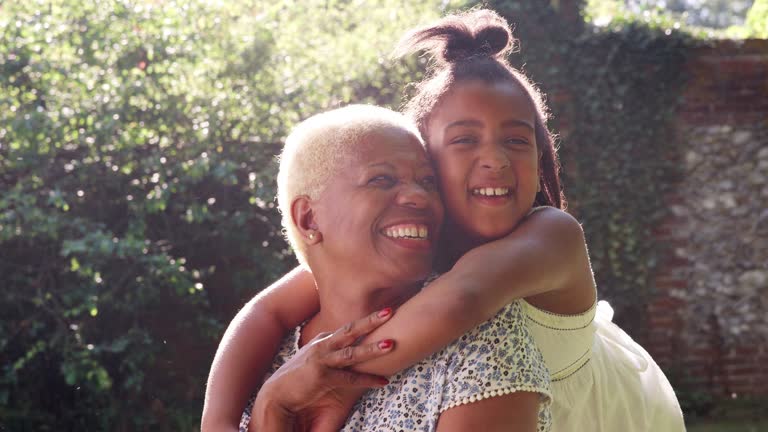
x=613, y=91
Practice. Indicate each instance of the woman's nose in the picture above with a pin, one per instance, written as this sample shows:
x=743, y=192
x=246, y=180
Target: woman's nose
x=413, y=195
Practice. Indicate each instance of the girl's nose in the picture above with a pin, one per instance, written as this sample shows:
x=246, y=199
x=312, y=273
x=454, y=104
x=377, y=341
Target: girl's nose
x=494, y=159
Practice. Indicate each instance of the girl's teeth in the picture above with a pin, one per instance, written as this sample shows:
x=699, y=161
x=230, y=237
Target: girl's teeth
x=491, y=191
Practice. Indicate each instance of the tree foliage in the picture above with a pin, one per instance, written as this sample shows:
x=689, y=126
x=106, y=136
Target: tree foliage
x=757, y=20
x=137, y=144
x=713, y=14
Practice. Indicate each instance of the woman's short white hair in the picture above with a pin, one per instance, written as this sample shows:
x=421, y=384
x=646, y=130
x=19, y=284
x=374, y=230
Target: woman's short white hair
x=317, y=147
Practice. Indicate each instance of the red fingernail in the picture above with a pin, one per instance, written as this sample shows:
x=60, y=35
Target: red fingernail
x=383, y=381
x=386, y=344
x=385, y=312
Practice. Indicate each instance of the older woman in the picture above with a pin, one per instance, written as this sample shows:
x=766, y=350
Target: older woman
x=361, y=210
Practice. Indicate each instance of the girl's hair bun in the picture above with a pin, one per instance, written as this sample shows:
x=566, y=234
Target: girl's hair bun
x=494, y=39
x=476, y=33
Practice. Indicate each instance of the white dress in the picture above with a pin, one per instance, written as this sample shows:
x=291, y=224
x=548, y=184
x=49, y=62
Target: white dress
x=496, y=358
x=602, y=380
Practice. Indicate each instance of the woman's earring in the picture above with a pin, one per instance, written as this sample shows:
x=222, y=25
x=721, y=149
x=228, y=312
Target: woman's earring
x=538, y=187
x=311, y=236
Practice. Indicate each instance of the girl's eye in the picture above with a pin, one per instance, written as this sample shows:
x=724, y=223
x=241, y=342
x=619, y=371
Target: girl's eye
x=514, y=142
x=384, y=181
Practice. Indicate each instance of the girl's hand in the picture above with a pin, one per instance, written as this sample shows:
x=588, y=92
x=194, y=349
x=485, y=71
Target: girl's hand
x=314, y=380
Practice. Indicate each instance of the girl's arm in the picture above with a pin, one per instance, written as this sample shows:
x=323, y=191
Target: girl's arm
x=249, y=344
x=544, y=260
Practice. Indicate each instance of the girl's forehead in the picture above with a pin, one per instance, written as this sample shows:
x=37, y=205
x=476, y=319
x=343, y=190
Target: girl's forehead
x=471, y=99
x=500, y=91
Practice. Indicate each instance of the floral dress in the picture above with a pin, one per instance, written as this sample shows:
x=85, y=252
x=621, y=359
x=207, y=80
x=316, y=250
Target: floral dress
x=496, y=358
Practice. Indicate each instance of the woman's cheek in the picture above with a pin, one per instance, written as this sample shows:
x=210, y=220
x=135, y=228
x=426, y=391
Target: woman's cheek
x=450, y=188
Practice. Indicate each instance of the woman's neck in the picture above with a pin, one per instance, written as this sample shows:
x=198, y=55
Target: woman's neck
x=345, y=299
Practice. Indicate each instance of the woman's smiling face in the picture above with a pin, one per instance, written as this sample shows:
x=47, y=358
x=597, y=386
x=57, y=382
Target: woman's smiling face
x=382, y=212
x=482, y=139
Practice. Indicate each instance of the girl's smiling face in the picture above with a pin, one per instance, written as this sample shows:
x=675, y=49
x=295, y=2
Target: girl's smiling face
x=482, y=139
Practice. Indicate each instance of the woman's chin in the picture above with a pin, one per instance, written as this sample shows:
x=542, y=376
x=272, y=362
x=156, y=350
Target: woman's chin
x=410, y=271
x=413, y=246
x=410, y=255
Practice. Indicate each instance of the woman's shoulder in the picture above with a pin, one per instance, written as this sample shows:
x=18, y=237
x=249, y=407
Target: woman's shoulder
x=508, y=323
x=495, y=358
x=506, y=334
x=501, y=340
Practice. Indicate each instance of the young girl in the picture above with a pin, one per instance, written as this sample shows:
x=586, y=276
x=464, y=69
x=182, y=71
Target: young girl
x=506, y=237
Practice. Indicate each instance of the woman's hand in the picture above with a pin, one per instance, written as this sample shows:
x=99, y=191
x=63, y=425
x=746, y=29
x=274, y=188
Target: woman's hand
x=315, y=384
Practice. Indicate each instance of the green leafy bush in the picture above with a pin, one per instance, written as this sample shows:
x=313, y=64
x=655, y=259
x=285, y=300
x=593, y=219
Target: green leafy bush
x=136, y=167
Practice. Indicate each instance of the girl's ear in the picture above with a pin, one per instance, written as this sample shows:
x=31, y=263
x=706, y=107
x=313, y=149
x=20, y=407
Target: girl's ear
x=303, y=217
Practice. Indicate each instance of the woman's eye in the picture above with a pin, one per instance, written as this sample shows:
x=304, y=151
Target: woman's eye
x=429, y=183
x=382, y=181
x=464, y=140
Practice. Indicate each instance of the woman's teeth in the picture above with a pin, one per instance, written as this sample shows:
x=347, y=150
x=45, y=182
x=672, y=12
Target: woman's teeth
x=407, y=231
x=489, y=191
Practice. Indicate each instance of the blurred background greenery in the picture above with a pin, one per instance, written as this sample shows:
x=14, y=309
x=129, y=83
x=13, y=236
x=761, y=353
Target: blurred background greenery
x=137, y=143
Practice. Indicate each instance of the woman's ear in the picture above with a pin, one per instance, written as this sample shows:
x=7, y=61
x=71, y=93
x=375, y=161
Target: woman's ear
x=303, y=217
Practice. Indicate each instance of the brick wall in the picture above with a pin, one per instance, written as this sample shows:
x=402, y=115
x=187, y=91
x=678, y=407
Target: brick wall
x=708, y=322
